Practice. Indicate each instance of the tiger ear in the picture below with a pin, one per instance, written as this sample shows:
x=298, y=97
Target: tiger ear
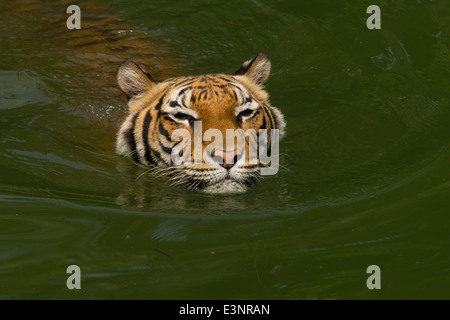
x=133, y=80
x=257, y=69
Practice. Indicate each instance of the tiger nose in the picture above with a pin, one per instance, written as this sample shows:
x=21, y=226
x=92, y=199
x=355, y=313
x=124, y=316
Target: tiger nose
x=227, y=159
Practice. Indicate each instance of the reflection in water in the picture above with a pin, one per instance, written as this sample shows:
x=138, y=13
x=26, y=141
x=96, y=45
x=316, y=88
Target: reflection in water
x=142, y=190
x=79, y=67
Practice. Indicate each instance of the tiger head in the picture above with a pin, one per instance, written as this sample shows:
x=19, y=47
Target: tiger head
x=178, y=126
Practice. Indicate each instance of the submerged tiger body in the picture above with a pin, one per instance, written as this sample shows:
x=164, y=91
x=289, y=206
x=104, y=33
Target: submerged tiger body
x=196, y=104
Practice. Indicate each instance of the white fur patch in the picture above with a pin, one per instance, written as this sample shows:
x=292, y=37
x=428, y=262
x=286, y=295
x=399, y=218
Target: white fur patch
x=122, y=145
x=225, y=186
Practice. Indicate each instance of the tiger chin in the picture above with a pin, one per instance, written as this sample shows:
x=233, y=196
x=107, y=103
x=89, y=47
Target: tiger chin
x=196, y=104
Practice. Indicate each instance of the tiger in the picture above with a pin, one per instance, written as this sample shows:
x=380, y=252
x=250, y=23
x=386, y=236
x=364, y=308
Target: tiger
x=157, y=109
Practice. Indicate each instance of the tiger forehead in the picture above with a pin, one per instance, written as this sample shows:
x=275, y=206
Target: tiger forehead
x=209, y=87
x=204, y=80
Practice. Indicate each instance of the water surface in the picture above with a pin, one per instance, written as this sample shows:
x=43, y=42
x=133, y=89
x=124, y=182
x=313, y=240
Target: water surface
x=365, y=163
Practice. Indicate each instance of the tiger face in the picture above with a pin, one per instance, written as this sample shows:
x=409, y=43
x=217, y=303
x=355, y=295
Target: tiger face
x=178, y=126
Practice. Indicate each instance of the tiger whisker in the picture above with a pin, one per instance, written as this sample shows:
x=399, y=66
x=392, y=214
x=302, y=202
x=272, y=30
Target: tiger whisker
x=143, y=173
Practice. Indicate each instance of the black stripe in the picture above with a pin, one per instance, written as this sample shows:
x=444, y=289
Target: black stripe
x=272, y=126
x=223, y=78
x=257, y=144
x=264, y=124
x=163, y=130
x=251, y=63
x=160, y=102
x=240, y=92
x=129, y=137
x=222, y=86
x=214, y=80
x=268, y=137
x=164, y=148
x=269, y=115
x=233, y=85
x=201, y=94
x=157, y=155
x=235, y=95
x=182, y=91
x=145, y=129
x=187, y=82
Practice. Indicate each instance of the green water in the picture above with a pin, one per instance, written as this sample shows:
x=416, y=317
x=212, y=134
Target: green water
x=365, y=163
